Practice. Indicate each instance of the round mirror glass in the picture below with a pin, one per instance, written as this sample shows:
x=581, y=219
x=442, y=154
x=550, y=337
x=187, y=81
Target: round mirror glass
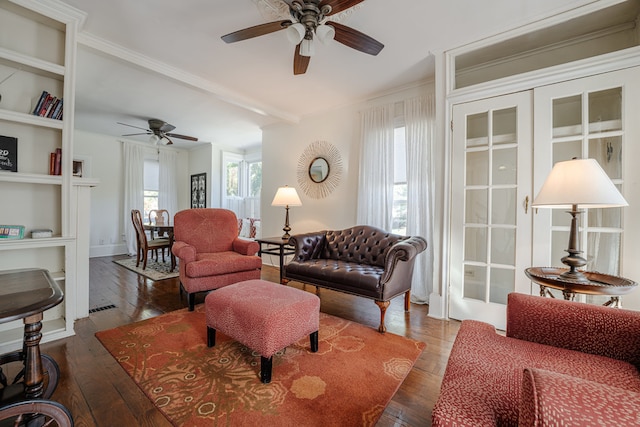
x=319, y=169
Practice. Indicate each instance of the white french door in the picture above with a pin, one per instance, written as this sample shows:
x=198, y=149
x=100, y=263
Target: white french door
x=593, y=117
x=490, y=222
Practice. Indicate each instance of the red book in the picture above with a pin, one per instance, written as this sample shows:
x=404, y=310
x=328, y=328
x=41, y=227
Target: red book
x=52, y=163
x=58, y=163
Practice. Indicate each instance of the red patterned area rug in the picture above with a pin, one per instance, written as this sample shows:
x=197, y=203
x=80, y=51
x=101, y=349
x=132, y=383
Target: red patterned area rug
x=348, y=382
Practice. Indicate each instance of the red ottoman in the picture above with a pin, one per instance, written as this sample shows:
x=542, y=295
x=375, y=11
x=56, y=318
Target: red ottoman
x=264, y=316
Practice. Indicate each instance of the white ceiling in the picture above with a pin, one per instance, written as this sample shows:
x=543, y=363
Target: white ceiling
x=224, y=93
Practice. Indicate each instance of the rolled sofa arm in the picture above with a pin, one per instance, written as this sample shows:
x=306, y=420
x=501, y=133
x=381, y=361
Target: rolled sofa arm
x=308, y=246
x=553, y=399
x=587, y=328
x=184, y=251
x=404, y=250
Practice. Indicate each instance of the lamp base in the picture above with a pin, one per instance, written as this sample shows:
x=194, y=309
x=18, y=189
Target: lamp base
x=574, y=260
x=286, y=227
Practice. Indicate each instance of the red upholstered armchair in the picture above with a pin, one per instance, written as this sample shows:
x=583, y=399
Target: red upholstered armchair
x=210, y=253
x=561, y=363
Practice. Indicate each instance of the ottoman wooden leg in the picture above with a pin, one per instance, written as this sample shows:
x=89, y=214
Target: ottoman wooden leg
x=211, y=337
x=313, y=338
x=265, y=369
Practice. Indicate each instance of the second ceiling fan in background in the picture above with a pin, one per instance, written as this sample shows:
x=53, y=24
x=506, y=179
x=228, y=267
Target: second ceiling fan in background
x=310, y=22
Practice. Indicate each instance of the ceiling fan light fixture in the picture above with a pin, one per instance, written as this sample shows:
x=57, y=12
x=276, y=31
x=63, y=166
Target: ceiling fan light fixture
x=307, y=47
x=295, y=33
x=154, y=139
x=325, y=33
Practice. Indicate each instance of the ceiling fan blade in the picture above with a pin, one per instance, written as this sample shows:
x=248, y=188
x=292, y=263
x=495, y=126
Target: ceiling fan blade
x=338, y=6
x=258, y=30
x=170, y=142
x=300, y=63
x=177, y=135
x=355, y=39
x=134, y=134
x=132, y=126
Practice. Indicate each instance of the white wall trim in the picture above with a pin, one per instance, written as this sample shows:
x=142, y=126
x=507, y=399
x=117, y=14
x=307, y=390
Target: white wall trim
x=107, y=250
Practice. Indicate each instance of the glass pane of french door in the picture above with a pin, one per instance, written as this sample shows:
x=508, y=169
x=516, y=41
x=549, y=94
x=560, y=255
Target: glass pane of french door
x=492, y=175
x=585, y=121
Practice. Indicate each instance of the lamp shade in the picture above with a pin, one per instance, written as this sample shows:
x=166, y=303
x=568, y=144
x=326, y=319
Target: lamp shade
x=307, y=48
x=296, y=32
x=580, y=182
x=325, y=33
x=286, y=196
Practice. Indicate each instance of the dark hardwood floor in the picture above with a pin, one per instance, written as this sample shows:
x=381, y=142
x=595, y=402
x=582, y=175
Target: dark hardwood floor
x=98, y=392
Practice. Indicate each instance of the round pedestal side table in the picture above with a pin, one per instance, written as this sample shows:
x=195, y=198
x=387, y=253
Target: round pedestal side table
x=597, y=284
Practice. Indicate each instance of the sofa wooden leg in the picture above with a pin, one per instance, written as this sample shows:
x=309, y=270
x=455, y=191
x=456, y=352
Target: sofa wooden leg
x=383, y=310
x=407, y=301
x=313, y=340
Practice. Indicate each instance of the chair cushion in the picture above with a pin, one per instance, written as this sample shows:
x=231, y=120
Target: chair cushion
x=552, y=399
x=362, y=279
x=208, y=230
x=217, y=263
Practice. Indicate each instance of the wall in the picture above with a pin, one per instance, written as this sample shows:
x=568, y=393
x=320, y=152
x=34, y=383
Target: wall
x=201, y=160
x=102, y=155
x=282, y=146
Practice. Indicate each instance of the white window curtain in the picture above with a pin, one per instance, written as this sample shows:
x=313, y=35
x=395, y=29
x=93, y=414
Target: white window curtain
x=167, y=178
x=419, y=119
x=375, y=183
x=133, y=189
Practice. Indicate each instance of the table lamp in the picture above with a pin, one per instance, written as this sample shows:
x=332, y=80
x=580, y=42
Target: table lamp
x=286, y=196
x=573, y=184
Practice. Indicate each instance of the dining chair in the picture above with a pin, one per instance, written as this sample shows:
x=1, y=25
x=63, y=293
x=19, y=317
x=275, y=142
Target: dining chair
x=159, y=217
x=145, y=245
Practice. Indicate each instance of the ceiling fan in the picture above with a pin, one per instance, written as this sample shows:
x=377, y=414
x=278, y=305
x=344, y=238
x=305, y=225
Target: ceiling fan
x=310, y=20
x=159, y=130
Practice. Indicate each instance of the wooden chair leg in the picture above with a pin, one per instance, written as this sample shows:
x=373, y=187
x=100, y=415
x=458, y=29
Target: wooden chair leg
x=313, y=340
x=383, y=310
x=191, y=300
x=407, y=301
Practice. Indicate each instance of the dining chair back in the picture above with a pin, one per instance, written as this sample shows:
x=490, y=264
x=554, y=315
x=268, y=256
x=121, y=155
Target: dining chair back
x=145, y=245
x=159, y=217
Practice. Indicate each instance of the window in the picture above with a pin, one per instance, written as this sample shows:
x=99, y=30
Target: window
x=242, y=184
x=399, y=219
x=151, y=186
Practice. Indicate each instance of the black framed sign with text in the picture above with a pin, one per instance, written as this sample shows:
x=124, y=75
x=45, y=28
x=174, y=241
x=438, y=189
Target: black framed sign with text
x=199, y=190
x=8, y=153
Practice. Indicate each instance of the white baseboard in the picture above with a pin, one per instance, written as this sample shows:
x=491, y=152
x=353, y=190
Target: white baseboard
x=107, y=250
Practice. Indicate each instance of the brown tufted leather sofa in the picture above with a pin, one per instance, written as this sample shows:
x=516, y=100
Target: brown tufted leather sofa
x=362, y=260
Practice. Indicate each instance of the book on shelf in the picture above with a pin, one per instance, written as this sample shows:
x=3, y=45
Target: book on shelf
x=9, y=153
x=48, y=106
x=55, y=162
x=11, y=231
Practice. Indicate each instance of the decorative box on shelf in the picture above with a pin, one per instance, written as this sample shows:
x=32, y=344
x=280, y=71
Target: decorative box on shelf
x=11, y=231
x=41, y=234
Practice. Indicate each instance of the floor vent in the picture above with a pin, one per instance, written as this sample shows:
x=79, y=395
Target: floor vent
x=106, y=307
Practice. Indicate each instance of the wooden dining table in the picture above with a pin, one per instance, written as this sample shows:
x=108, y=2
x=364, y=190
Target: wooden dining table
x=158, y=230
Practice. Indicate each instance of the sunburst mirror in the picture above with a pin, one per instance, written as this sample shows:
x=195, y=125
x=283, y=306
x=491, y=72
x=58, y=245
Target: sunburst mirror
x=319, y=169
